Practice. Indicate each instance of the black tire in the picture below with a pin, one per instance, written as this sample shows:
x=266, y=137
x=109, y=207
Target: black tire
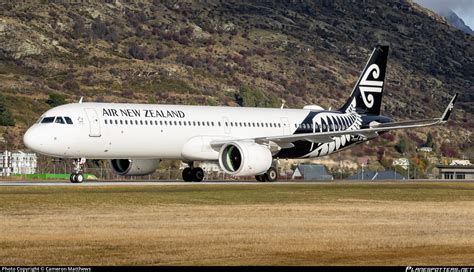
x=72, y=178
x=79, y=178
x=259, y=178
x=187, y=174
x=197, y=174
x=271, y=175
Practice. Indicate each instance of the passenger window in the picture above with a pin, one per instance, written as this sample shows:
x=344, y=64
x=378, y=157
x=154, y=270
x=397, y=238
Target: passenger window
x=105, y=122
x=121, y=122
x=219, y=123
x=116, y=122
x=179, y=123
x=161, y=122
x=59, y=120
x=166, y=123
x=126, y=122
x=68, y=120
x=212, y=123
x=141, y=122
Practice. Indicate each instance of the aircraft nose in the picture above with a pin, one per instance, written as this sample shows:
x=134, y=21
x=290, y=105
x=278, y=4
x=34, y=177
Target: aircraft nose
x=30, y=139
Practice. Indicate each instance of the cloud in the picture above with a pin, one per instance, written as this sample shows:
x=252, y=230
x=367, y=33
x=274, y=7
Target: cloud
x=463, y=8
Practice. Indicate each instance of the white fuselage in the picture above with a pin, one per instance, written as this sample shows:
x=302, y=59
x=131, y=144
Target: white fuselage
x=146, y=131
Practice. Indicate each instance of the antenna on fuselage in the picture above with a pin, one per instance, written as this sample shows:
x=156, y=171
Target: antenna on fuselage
x=80, y=100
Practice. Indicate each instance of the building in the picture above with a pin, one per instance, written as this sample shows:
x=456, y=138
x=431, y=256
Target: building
x=311, y=172
x=402, y=162
x=376, y=175
x=17, y=163
x=456, y=171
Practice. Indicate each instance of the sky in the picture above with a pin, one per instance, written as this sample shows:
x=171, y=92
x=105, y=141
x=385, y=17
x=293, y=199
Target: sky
x=463, y=8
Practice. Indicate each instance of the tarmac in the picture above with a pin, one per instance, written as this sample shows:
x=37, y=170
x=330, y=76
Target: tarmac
x=203, y=183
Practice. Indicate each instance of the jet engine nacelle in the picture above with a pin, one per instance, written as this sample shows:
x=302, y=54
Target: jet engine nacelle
x=126, y=167
x=245, y=158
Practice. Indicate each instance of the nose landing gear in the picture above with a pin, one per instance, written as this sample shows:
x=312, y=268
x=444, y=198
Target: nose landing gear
x=77, y=176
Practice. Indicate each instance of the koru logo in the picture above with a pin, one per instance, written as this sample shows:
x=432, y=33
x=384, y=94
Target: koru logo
x=370, y=86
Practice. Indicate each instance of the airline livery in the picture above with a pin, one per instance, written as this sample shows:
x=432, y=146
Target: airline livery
x=244, y=141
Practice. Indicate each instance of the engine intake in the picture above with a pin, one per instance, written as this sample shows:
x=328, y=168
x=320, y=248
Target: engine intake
x=126, y=167
x=245, y=158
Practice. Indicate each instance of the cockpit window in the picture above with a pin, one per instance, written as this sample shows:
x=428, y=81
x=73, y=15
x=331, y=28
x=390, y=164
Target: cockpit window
x=39, y=120
x=59, y=120
x=68, y=120
x=47, y=120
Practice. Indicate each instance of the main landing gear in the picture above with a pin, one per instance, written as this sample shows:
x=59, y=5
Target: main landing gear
x=271, y=175
x=191, y=173
x=77, y=176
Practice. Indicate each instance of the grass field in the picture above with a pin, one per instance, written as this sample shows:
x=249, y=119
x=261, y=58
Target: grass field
x=267, y=224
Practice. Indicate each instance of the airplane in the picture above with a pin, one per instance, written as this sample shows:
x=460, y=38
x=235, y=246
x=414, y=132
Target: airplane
x=244, y=141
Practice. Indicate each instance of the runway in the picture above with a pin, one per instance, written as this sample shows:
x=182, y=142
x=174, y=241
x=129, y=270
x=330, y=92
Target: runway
x=204, y=183
x=146, y=183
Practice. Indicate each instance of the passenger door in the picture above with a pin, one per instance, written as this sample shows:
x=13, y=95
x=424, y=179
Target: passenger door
x=94, y=123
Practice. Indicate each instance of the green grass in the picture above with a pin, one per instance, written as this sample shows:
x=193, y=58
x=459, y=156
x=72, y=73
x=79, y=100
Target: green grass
x=21, y=197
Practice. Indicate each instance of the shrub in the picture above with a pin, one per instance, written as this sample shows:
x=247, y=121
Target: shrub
x=55, y=100
x=136, y=52
x=6, y=118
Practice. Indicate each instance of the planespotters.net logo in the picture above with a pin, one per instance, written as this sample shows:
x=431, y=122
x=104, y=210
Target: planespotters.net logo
x=439, y=269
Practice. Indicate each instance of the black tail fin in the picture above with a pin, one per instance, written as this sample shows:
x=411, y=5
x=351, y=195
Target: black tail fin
x=366, y=97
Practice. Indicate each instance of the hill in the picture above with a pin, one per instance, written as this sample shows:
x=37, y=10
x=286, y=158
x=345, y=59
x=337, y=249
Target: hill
x=234, y=52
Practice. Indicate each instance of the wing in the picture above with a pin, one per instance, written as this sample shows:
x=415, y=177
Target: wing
x=285, y=141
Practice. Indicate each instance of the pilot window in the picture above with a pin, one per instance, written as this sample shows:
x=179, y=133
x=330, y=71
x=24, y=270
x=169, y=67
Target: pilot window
x=47, y=120
x=59, y=120
x=68, y=120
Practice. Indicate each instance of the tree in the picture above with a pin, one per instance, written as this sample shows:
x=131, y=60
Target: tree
x=55, y=100
x=6, y=118
x=429, y=140
x=401, y=145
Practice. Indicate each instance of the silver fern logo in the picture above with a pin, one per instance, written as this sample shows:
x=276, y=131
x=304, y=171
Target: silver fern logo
x=350, y=120
x=367, y=87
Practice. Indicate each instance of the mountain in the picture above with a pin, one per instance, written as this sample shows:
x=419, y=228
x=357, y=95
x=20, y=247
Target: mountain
x=454, y=20
x=232, y=53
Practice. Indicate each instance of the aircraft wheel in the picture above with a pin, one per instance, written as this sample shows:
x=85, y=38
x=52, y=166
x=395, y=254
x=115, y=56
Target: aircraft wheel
x=259, y=178
x=197, y=174
x=271, y=175
x=72, y=178
x=187, y=174
x=79, y=178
